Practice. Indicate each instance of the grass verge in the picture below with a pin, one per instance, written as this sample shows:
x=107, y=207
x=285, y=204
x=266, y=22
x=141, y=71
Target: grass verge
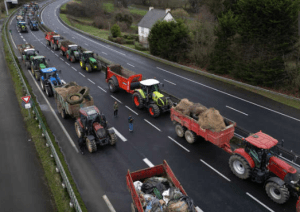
x=54, y=180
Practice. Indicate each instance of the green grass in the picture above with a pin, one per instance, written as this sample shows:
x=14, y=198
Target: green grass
x=53, y=179
x=138, y=11
x=109, y=7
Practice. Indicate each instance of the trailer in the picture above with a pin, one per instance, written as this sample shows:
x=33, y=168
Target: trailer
x=162, y=170
x=69, y=49
x=52, y=39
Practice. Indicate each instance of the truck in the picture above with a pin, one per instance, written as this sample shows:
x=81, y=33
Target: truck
x=27, y=53
x=162, y=170
x=145, y=93
x=37, y=64
x=49, y=80
x=253, y=155
x=69, y=49
x=52, y=39
x=89, y=62
x=21, y=26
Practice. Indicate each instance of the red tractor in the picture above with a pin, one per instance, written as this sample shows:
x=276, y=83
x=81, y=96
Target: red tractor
x=91, y=126
x=261, y=161
x=52, y=39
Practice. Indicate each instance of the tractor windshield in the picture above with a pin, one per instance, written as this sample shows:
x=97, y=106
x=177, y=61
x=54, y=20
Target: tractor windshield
x=88, y=55
x=30, y=52
x=154, y=88
x=50, y=74
x=40, y=61
x=73, y=48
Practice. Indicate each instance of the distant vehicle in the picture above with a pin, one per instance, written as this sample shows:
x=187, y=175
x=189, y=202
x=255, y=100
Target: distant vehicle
x=49, y=80
x=22, y=27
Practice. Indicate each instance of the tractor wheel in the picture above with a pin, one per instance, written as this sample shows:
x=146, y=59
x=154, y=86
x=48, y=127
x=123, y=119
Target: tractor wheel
x=42, y=85
x=37, y=76
x=88, y=68
x=55, y=47
x=49, y=91
x=73, y=100
x=190, y=136
x=63, y=114
x=111, y=86
x=113, y=139
x=91, y=145
x=154, y=110
x=82, y=64
x=137, y=100
x=239, y=166
x=27, y=65
x=72, y=59
x=67, y=56
x=78, y=130
x=180, y=130
x=61, y=52
x=277, y=193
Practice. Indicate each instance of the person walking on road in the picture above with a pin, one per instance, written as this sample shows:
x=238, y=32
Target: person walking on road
x=130, y=121
x=116, y=107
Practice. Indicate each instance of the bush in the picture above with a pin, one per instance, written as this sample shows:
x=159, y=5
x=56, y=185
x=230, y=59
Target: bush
x=123, y=26
x=101, y=23
x=140, y=47
x=120, y=40
x=115, y=31
x=123, y=15
x=130, y=42
x=75, y=9
x=180, y=14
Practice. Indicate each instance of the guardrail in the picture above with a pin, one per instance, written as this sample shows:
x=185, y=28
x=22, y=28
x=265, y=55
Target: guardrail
x=74, y=202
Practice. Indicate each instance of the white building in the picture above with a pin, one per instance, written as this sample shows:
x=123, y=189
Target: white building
x=152, y=16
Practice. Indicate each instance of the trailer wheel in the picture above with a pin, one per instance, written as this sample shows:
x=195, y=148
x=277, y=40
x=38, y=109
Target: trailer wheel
x=113, y=139
x=154, y=110
x=137, y=100
x=133, y=209
x=277, y=193
x=91, y=145
x=78, y=130
x=63, y=114
x=239, y=166
x=49, y=91
x=42, y=85
x=61, y=52
x=111, y=86
x=190, y=136
x=180, y=130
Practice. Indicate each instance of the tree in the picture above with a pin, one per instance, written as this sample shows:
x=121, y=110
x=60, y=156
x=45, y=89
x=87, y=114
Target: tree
x=115, y=31
x=180, y=13
x=195, y=5
x=169, y=40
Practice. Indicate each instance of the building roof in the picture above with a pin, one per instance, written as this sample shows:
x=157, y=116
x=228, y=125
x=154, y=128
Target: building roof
x=151, y=17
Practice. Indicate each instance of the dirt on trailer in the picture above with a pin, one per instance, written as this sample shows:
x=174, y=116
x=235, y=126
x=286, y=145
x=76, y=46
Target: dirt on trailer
x=118, y=69
x=210, y=119
x=70, y=88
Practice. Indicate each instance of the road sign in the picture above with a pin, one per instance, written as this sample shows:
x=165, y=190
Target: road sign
x=26, y=99
x=27, y=106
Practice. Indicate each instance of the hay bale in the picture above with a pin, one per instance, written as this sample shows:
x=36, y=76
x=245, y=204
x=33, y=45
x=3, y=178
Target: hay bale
x=196, y=109
x=184, y=106
x=211, y=119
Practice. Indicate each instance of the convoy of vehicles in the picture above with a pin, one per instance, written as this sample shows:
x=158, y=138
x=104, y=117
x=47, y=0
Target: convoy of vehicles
x=49, y=80
x=69, y=49
x=28, y=52
x=88, y=62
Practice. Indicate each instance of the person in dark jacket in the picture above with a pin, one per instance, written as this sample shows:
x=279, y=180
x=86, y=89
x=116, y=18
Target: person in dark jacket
x=130, y=121
x=116, y=107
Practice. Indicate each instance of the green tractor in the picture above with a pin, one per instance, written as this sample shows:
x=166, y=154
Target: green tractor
x=151, y=97
x=37, y=64
x=88, y=61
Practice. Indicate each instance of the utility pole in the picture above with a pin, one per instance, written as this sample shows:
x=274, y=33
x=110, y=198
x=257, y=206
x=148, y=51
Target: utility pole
x=5, y=3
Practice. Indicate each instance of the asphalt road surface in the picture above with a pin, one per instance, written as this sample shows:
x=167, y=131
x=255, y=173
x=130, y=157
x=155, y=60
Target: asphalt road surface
x=195, y=166
x=22, y=179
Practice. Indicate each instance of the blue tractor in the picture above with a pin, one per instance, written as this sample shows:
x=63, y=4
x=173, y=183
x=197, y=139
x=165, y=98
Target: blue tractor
x=33, y=24
x=49, y=80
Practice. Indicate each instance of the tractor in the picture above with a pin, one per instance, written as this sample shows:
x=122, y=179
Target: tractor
x=150, y=97
x=49, y=80
x=27, y=55
x=22, y=26
x=37, y=64
x=91, y=126
x=88, y=61
x=33, y=24
x=72, y=53
x=259, y=160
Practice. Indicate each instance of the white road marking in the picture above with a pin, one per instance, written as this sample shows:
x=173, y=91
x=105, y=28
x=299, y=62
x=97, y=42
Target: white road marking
x=73, y=37
x=109, y=205
x=61, y=59
x=116, y=99
x=81, y=74
x=259, y=202
x=230, y=95
x=198, y=209
x=91, y=81
x=148, y=162
x=215, y=170
x=52, y=51
x=237, y=110
x=86, y=44
x=67, y=63
x=48, y=48
x=12, y=41
x=131, y=110
x=104, y=53
x=179, y=144
x=152, y=125
x=21, y=36
x=102, y=89
x=56, y=55
x=119, y=134
x=11, y=20
x=61, y=125
x=170, y=82
x=63, y=81
x=24, y=40
x=74, y=68
x=130, y=64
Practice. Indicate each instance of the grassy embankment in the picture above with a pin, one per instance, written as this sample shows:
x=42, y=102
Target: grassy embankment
x=53, y=179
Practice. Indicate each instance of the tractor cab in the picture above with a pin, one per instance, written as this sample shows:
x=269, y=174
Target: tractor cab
x=57, y=37
x=50, y=74
x=151, y=90
x=73, y=47
x=29, y=53
x=39, y=62
x=91, y=115
x=87, y=54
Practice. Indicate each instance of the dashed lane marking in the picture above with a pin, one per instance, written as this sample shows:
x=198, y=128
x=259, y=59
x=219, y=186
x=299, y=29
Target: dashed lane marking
x=119, y=134
x=74, y=68
x=259, y=202
x=81, y=74
x=215, y=170
x=237, y=110
x=152, y=125
x=104, y=53
x=102, y=89
x=67, y=63
x=130, y=65
x=131, y=110
x=148, y=162
x=91, y=81
x=169, y=82
x=178, y=144
x=109, y=205
x=116, y=99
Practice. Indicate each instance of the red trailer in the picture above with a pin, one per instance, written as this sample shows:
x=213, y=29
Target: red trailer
x=52, y=39
x=162, y=170
x=189, y=127
x=118, y=77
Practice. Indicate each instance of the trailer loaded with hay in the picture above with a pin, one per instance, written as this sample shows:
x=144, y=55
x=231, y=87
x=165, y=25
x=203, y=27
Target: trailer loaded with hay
x=157, y=189
x=70, y=98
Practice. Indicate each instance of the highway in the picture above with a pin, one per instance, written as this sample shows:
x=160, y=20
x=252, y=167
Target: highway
x=201, y=168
